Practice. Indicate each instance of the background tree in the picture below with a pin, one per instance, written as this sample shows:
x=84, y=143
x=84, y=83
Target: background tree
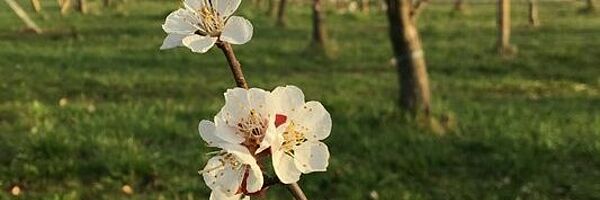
x=23, y=16
x=503, y=43
x=590, y=5
x=364, y=6
x=459, y=5
x=281, y=13
x=271, y=5
x=37, y=7
x=319, y=35
x=410, y=63
x=533, y=13
x=82, y=6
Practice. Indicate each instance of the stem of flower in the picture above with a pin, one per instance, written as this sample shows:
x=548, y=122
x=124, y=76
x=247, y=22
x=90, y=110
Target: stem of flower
x=296, y=191
x=234, y=64
x=238, y=76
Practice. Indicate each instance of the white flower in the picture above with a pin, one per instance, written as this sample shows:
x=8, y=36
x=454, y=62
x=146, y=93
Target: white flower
x=246, y=119
x=297, y=148
x=202, y=22
x=217, y=195
x=233, y=171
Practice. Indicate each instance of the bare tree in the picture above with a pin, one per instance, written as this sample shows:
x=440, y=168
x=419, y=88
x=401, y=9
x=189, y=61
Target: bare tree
x=410, y=61
x=319, y=35
x=533, y=13
x=590, y=5
x=82, y=6
x=271, y=5
x=281, y=13
x=37, y=7
x=459, y=5
x=65, y=5
x=364, y=6
x=23, y=16
x=503, y=43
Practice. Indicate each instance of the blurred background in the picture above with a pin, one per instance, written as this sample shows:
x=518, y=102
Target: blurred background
x=91, y=109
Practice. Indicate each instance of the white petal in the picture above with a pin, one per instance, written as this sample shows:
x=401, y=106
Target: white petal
x=199, y=44
x=240, y=152
x=211, y=171
x=311, y=156
x=173, y=40
x=180, y=21
x=285, y=168
x=236, y=102
x=207, y=130
x=315, y=119
x=218, y=195
x=237, y=30
x=287, y=99
x=193, y=4
x=255, y=179
x=230, y=179
x=257, y=99
x=226, y=7
x=226, y=129
x=269, y=138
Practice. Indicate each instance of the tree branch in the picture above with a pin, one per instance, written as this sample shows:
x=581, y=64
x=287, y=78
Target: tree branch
x=296, y=191
x=234, y=64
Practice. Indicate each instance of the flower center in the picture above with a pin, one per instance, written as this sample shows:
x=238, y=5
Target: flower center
x=210, y=20
x=226, y=160
x=292, y=138
x=252, y=128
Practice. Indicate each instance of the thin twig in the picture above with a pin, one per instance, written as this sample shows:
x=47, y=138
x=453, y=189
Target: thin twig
x=234, y=64
x=296, y=191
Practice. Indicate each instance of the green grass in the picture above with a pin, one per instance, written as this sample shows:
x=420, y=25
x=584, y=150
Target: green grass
x=526, y=127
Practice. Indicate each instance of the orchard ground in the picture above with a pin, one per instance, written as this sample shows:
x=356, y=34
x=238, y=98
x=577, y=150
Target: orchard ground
x=93, y=105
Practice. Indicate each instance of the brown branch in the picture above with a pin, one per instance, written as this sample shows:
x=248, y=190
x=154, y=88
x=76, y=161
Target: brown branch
x=296, y=191
x=234, y=64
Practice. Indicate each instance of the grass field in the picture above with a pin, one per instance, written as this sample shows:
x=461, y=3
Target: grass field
x=525, y=128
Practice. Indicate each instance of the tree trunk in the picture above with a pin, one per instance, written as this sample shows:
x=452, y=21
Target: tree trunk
x=23, y=16
x=364, y=6
x=271, y=7
x=37, y=7
x=107, y=3
x=459, y=5
x=281, y=13
x=533, y=13
x=319, y=35
x=65, y=5
x=590, y=5
x=412, y=70
x=503, y=43
x=82, y=6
